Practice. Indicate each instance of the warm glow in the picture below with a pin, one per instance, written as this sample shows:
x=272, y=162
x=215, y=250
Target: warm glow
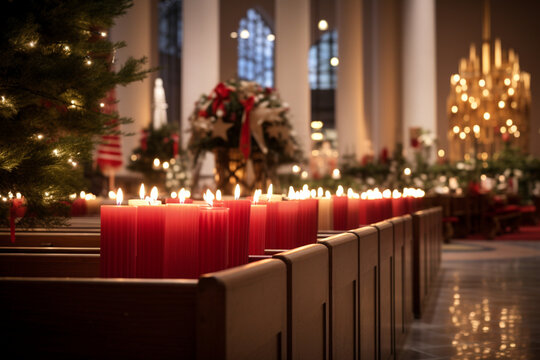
x=340, y=191
x=292, y=194
x=517, y=134
x=464, y=97
x=237, y=192
x=474, y=105
x=320, y=192
x=454, y=109
x=513, y=128
x=334, y=61
x=467, y=129
x=112, y=195
x=304, y=175
x=18, y=195
x=511, y=91
x=485, y=92
x=313, y=193
x=327, y=194
x=476, y=129
x=256, y=196
x=501, y=104
x=154, y=193
x=295, y=169
x=482, y=82
x=509, y=122
x=119, y=197
x=486, y=116
x=103, y=34
x=269, y=192
x=317, y=136
x=244, y=34
x=234, y=35
x=323, y=25
x=387, y=194
x=440, y=153
x=455, y=78
x=142, y=192
x=462, y=135
x=507, y=82
x=455, y=129
x=182, y=195
x=208, y=197
x=336, y=174
x=270, y=37
x=165, y=165
x=503, y=130
x=350, y=193
x=82, y=195
x=396, y=194
x=516, y=77
x=407, y=171
x=174, y=195
x=156, y=162
x=218, y=195
x=316, y=125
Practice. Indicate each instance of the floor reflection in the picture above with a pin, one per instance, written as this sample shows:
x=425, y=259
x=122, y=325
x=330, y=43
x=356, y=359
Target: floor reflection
x=482, y=309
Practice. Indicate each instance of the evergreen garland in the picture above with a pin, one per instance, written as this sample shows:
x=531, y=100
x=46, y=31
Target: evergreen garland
x=55, y=69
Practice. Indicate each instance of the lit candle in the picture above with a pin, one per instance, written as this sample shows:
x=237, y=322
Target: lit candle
x=398, y=204
x=118, y=239
x=257, y=226
x=307, y=219
x=181, y=240
x=271, y=219
x=362, y=209
x=386, y=204
x=141, y=200
x=174, y=199
x=213, y=236
x=287, y=222
x=326, y=210
x=239, y=211
x=353, y=209
x=150, y=237
x=340, y=209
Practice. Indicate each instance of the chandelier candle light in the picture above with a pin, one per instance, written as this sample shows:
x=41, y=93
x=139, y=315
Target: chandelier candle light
x=489, y=101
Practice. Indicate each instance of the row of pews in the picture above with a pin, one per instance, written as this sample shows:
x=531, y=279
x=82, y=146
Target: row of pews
x=350, y=295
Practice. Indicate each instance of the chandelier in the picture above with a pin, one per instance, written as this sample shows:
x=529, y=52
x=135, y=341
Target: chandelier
x=489, y=101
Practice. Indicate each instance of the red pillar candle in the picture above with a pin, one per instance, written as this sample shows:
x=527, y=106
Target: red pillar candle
x=353, y=212
x=286, y=224
x=362, y=210
x=213, y=239
x=387, y=204
x=239, y=211
x=271, y=224
x=181, y=241
x=307, y=222
x=150, y=240
x=340, y=210
x=398, y=204
x=257, y=227
x=118, y=239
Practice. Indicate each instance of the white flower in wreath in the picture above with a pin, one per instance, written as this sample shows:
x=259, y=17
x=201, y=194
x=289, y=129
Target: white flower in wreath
x=219, y=113
x=518, y=173
x=460, y=166
x=370, y=181
x=423, y=177
x=442, y=179
x=507, y=172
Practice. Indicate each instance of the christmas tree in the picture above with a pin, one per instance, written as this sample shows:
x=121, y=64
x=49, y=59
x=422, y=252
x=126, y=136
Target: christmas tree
x=55, y=70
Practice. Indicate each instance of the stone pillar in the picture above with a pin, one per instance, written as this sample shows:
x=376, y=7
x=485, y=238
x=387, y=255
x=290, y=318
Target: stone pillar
x=352, y=132
x=419, y=66
x=386, y=72
x=200, y=60
x=135, y=100
x=292, y=49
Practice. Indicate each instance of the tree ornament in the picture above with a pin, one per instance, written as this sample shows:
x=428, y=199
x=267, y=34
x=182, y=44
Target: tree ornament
x=220, y=128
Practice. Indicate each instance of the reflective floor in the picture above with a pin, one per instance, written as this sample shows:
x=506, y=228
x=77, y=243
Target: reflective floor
x=486, y=304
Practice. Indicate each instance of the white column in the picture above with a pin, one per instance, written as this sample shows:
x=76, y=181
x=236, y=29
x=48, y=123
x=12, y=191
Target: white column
x=135, y=100
x=292, y=49
x=200, y=59
x=419, y=66
x=351, y=126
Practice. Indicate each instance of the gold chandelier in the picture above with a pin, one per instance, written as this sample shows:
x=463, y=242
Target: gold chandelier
x=489, y=101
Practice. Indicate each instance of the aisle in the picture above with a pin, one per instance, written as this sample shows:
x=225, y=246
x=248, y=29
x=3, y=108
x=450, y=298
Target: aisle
x=485, y=307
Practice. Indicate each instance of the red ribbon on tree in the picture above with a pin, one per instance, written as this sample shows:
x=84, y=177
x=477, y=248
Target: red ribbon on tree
x=144, y=140
x=222, y=93
x=245, y=132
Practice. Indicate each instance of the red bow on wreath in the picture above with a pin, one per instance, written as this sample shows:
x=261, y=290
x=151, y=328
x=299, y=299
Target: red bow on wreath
x=222, y=93
x=245, y=132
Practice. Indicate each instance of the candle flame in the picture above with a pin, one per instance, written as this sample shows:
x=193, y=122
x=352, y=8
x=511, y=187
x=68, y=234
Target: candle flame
x=119, y=197
x=154, y=194
x=327, y=194
x=208, y=196
x=174, y=195
x=269, y=192
x=396, y=194
x=291, y=194
x=313, y=193
x=218, y=195
x=237, y=192
x=305, y=188
x=363, y=196
x=320, y=192
x=182, y=195
x=18, y=195
x=256, y=196
x=142, y=192
x=340, y=191
x=188, y=194
x=350, y=193
x=112, y=195
x=387, y=194
x=82, y=195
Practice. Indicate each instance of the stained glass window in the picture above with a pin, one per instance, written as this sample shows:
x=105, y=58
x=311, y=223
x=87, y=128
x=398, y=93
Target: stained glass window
x=255, y=49
x=322, y=75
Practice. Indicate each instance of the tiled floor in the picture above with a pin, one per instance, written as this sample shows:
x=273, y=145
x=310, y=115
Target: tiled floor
x=486, y=305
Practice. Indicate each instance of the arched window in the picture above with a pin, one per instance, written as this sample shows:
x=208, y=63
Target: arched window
x=322, y=66
x=255, y=49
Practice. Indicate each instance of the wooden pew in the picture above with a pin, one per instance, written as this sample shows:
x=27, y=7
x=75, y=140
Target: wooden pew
x=307, y=303
x=398, y=286
x=48, y=250
x=233, y=314
x=49, y=265
x=385, y=293
x=51, y=239
x=243, y=312
x=368, y=319
x=408, y=309
x=420, y=262
x=343, y=285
